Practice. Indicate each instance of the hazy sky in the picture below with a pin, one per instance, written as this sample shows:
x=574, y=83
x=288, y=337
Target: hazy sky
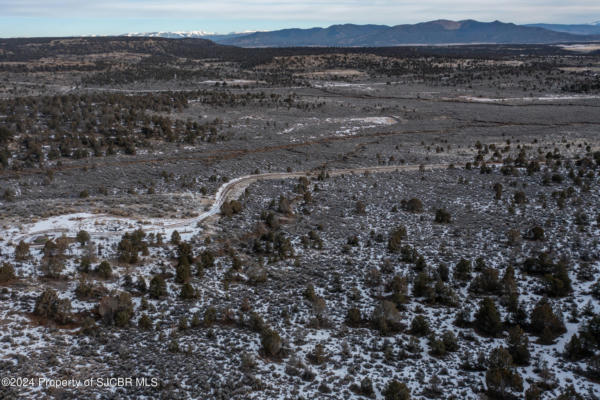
x=80, y=17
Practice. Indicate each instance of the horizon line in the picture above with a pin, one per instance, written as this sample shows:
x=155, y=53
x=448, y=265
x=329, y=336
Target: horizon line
x=251, y=31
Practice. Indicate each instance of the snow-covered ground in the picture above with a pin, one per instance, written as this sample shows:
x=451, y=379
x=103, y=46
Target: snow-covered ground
x=476, y=99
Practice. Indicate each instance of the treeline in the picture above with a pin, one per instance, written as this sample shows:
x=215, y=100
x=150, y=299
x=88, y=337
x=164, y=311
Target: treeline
x=587, y=85
x=23, y=67
x=80, y=126
x=433, y=69
x=32, y=49
x=84, y=125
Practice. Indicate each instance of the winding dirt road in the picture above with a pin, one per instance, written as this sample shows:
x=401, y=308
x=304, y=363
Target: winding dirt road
x=96, y=224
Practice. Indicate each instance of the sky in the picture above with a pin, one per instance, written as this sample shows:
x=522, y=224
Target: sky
x=30, y=18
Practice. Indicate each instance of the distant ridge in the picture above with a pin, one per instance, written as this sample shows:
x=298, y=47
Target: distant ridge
x=172, y=35
x=190, y=35
x=438, y=32
x=579, y=29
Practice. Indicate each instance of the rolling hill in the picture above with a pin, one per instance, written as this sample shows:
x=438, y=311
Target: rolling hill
x=427, y=33
x=580, y=29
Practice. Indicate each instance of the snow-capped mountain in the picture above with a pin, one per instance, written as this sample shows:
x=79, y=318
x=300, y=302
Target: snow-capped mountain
x=171, y=35
x=190, y=35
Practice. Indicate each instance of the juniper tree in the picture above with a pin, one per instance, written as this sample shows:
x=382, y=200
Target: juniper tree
x=210, y=316
x=353, y=317
x=22, y=251
x=175, y=237
x=413, y=205
x=395, y=390
x=271, y=343
x=419, y=326
x=145, y=323
x=158, y=287
x=104, y=270
x=487, y=318
x=49, y=305
x=83, y=237
x=187, y=291
x=183, y=272
x=462, y=270
x=7, y=273
x=498, y=191
x=545, y=323
x=395, y=240
x=116, y=309
x=442, y=216
x=518, y=346
x=501, y=377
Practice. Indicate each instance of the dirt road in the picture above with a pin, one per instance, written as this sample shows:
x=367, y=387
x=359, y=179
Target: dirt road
x=70, y=224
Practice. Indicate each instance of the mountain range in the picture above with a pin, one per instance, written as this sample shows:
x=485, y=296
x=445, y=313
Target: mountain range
x=580, y=29
x=215, y=37
x=440, y=32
